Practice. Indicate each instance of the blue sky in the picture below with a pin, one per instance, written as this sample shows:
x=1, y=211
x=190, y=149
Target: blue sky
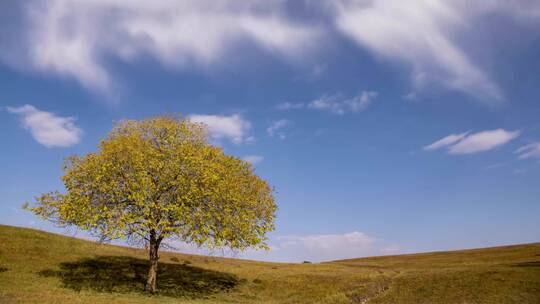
x=385, y=127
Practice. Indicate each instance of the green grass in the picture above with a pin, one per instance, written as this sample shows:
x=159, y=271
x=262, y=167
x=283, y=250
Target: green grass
x=39, y=267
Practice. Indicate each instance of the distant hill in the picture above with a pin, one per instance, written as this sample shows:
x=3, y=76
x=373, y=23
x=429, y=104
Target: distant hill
x=40, y=267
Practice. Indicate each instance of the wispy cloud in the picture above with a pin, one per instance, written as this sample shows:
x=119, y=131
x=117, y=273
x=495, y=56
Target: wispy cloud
x=483, y=141
x=390, y=249
x=335, y=104
x=529, y=151
x=74, y=38
x=312, y=247
x=48, y=128
x=290, y=106
x=445, y=141
x=338, y=105
x=234, y=127
x=276, y=128
x=77, y=38
x=419, y=34
x=426, y=35
x=321, y=247
x=317, y=71
x=411, y=96
x=253, y=159
x=466, y=143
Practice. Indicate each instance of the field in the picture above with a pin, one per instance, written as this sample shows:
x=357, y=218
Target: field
x=39, y=267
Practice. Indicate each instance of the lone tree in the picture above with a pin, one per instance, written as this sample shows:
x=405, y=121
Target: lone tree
x=160, y=178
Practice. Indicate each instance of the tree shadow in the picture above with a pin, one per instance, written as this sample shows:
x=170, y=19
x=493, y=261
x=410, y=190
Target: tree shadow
x=528, y=264
x=127, y=274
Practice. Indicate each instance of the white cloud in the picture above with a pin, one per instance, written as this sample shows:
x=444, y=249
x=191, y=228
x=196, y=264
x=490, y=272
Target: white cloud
x=75, y=38
x=496, y=166
x=276, y=128
x=411, y=96
x=337, y=105
x=47, y=128
x=425, y=34
x=290, y=106
x=446, y=141
x=466, y=143
x=317, y=70
x=298, y=248
x=390, y=249
x=483, y=141
x=362, y=101
x=321, y=247
x=233, y=128
x=314, y=73
x=529, y=151
x=253, y=159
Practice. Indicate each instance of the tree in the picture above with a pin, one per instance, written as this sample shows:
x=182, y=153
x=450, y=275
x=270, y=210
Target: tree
x=160, y=178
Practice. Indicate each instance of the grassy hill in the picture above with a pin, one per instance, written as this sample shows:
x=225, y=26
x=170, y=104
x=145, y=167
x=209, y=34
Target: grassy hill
x=39, y=267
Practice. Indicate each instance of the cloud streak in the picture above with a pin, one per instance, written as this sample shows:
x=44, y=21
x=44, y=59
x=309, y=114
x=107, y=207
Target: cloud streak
x=445, y=141
x=48, y=128
x=77, y=38
x=418, y=34
x=529, y=151
x=312, y=247
x=276, y=128
x=290, y=106
x=74, y=38
x=324, y=247
x=340, y=106
x=335, y=104
x=466, y=143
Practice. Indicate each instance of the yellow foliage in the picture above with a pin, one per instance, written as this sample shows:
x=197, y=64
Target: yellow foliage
x=161, y=176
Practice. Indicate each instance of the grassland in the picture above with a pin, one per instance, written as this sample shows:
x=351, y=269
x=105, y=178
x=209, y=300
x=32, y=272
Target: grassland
x=39, y=267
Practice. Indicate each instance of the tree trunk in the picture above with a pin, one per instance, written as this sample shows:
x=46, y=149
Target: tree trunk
x=151, y=282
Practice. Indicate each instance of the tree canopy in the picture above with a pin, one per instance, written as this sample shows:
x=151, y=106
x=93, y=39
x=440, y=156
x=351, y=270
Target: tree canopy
x=160, y=178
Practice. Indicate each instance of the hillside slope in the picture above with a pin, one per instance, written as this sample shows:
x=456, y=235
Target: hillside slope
x=39, y=267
